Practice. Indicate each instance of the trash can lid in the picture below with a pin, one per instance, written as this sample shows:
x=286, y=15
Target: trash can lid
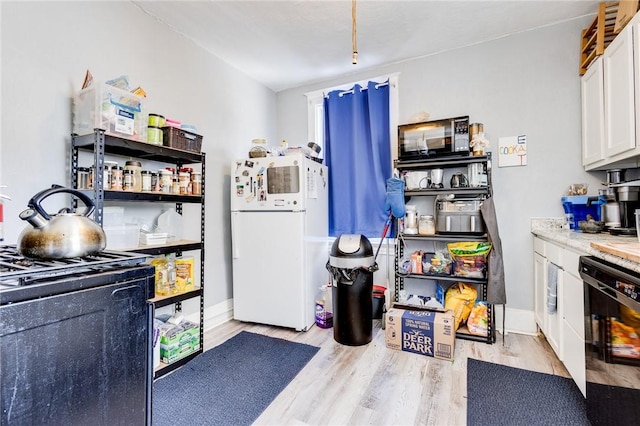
x=351, y=251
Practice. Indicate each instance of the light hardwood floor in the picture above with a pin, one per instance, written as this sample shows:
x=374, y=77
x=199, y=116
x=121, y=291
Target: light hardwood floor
x=374, y=385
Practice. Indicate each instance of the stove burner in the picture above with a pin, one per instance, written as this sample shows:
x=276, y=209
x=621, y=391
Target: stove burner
x=16, y=269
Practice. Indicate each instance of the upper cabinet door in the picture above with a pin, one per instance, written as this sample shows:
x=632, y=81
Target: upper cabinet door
x=619, y=94
x=592, y=89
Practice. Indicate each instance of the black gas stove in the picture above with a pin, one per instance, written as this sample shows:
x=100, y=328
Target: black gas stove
x=22, y=278
x=74, y=325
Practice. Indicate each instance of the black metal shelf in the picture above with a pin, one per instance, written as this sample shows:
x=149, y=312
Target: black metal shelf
x=481, y=283
x=100, y=143
x=148, y=196
x=176, y=247
x=452, y=278
x=481, y=190
x=167, y=368
x=132, y=148
x=161, y=301
x=442, y=162
x=445, y=237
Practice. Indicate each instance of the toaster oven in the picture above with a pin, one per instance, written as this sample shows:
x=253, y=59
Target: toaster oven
x=459, y=216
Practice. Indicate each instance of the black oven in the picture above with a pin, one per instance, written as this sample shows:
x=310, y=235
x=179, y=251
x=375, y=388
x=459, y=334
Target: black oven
x=438, y=138
x=612, y=342
x=75, y=340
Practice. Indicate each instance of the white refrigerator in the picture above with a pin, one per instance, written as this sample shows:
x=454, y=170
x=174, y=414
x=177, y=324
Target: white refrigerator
x=279, y=230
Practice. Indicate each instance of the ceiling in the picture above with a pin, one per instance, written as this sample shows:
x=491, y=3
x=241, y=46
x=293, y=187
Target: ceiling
x=290, y=43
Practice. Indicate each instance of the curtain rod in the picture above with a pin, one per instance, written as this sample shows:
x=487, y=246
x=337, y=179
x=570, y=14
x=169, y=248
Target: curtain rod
x=362, y=89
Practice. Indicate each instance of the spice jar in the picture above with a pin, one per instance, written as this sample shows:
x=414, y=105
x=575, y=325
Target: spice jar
x=155, y=183
x=196, y=183
x=426, y=225
x=184, y=178
x=165, y=180
x=175, y=185
x=116, y=178
x=127, y=180
x=146, y=180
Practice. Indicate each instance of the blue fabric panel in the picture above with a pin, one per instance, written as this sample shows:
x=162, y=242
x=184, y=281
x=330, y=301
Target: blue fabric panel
x=358, y=155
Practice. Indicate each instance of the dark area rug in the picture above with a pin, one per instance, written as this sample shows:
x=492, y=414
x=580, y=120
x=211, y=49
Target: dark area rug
x=501, y=395
x=230, y=384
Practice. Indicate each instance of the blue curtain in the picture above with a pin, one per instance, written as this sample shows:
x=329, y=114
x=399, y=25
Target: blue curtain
x=358, y=155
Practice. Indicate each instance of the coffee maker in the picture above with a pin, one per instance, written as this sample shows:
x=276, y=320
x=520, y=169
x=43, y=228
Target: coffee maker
x=628, y=202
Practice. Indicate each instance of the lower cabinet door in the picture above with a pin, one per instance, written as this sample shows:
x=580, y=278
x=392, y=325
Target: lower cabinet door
x=574, y=356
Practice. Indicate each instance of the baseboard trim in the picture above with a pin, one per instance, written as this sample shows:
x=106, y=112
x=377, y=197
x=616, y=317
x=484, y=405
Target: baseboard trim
x=519, y=321
x=214, y=315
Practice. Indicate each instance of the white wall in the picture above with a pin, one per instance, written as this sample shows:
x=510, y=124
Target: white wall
x=46, y=48
x=522, y=84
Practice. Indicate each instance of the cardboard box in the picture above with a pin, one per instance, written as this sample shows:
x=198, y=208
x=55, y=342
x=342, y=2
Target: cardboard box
x=178, y=341
x=423, y=332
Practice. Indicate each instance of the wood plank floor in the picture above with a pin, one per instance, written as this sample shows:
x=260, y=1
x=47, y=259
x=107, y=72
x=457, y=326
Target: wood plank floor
x=374, y=385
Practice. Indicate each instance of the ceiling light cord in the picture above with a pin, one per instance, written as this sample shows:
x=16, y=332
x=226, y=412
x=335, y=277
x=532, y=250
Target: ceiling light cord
x=354, y=42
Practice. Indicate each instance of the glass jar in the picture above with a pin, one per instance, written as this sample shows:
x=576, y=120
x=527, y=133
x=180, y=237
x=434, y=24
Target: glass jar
x=175, y=186
x=165, y=179
x=127, y=180
x=196, y=183
x=116, y=178
x=426, y=225
x=146, y=180
x=82, y=177
x=136, y=168
x=183, y=179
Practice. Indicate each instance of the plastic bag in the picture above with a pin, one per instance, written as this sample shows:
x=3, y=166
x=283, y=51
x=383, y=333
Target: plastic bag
x=469, y=258
x=478, y=322
x=460, y=298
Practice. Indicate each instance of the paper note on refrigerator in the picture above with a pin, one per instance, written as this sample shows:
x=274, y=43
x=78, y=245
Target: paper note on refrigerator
x=312, y=185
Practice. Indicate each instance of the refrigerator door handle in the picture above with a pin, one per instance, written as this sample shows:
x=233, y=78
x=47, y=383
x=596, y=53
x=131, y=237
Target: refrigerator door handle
x=234, y=244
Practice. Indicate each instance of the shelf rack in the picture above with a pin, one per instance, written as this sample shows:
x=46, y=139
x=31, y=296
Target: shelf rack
x=101, y=143
x=480, y=284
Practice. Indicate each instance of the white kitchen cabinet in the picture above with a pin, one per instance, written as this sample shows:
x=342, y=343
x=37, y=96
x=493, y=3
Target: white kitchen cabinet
x=609, y=91
x=549, y=324
x=573, y=348
x=564, y=330
x=592, y=89
x=554, y=320
x=540, y=279
x=619, y=88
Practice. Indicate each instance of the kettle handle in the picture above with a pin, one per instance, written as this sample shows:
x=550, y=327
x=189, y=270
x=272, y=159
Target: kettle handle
x=35, y=201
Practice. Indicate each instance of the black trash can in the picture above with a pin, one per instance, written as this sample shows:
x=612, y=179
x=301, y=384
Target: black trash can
x=352, y=264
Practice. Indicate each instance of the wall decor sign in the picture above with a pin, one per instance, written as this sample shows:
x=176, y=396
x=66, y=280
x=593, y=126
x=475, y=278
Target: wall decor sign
x=512, y=151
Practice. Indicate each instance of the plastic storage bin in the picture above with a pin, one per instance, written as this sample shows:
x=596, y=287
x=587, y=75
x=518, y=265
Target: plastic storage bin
x=123, y=236
x=117, y=111
x=577, y=207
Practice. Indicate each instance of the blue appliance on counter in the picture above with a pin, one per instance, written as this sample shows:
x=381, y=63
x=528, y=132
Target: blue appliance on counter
x=577, y=207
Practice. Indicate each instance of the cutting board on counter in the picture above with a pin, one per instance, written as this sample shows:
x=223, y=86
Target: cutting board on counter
x=625, y=249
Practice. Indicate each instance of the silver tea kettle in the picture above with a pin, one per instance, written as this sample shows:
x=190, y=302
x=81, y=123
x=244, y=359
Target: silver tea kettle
x=459, y=180
x=63, y=235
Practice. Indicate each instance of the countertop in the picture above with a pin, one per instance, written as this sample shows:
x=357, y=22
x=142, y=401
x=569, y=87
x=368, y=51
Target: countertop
x=553, y=230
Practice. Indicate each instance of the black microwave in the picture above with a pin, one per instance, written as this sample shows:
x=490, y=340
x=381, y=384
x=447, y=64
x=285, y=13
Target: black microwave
x=438, y=138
